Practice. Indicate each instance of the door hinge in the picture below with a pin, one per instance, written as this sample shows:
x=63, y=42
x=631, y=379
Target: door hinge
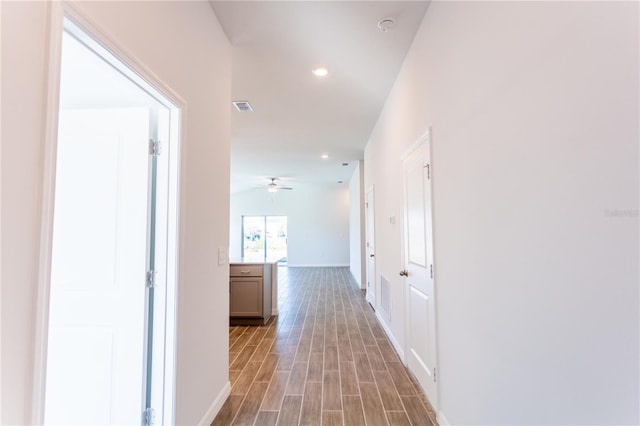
x=151, y=279
x=154, y=147
x=428, y=171
x=435, y=377
x=148, y=416
x=431, y=270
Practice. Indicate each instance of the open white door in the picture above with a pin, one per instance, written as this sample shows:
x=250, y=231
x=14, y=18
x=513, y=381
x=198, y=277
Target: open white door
x=111, y=306
x=419, y=284
x=97, y=308
x=370, y=249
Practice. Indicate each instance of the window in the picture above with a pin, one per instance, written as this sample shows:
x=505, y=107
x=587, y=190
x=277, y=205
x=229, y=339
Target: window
x=264, y=237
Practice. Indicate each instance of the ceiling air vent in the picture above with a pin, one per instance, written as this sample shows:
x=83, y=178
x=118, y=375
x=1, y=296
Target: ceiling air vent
x=243, y=106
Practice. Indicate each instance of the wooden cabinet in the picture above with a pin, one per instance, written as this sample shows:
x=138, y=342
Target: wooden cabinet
x=246, y=297
x=249, y=293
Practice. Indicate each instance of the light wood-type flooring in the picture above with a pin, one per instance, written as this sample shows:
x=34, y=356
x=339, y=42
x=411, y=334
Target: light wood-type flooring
x=324, y=360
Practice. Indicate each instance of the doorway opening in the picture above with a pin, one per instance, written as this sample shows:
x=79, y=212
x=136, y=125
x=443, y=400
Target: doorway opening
x=113, y=266
x=265, y=238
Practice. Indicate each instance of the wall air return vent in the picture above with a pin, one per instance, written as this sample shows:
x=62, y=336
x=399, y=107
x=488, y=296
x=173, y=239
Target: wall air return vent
x=243, y=106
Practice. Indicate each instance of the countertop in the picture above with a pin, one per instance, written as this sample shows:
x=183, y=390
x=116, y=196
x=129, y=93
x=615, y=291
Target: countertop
x=250, y=261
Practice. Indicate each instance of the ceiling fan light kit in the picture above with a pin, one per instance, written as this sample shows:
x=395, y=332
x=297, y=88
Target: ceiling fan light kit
x=273, y=186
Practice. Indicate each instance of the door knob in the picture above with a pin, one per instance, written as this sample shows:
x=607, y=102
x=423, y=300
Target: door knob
x=371, y=255
x=404, y=273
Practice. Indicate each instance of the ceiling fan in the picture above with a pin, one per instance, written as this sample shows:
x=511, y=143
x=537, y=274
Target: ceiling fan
x=273, y=186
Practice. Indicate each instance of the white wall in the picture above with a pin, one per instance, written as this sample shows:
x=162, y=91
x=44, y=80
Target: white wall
x=317, y=221
x=184, y=45
x=23, y=34
x=356, y=226
x=534, y=108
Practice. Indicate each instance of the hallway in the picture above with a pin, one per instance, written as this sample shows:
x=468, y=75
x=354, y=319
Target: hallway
x=324, y=360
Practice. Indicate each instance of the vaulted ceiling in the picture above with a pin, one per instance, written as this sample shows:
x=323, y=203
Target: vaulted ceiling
x=297, y=116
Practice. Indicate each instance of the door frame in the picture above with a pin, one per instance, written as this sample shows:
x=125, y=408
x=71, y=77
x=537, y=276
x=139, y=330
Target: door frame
x=104, y=46
x=424, y=139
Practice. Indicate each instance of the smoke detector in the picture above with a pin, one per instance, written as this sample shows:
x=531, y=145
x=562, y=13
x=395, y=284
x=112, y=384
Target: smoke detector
x=386, y=24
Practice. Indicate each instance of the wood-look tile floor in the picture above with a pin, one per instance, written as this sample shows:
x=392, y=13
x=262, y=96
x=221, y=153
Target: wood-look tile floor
x=324, y=360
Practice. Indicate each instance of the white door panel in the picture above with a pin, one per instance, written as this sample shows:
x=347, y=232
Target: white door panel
x=417, y=247
x=97, y=306
x=94, y=358
x=418, y=317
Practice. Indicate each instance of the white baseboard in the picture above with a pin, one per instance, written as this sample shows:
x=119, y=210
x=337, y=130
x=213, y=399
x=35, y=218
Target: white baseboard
x=359, y=285
x=442, y=420
x=391, y=337
x=216, y=405
x=318, y=266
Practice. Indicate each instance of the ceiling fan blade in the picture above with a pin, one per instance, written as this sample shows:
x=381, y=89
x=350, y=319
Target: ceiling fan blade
x=284, y=187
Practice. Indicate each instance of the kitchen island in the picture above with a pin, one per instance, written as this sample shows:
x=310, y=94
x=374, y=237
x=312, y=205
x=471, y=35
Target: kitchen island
x=253, y=290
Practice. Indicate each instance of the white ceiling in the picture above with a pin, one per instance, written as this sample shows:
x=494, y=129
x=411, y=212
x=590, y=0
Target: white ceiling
x=297, y=116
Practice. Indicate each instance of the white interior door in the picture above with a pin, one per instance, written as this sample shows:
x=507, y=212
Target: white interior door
x=95, y=363
x=370, y=249
x=419, y=283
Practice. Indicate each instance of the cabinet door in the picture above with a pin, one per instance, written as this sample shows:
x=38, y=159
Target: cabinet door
x=246, y=297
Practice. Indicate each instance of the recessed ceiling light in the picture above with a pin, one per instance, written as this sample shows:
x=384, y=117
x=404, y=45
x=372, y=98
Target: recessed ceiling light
x=325, y=156
x=320, y=72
